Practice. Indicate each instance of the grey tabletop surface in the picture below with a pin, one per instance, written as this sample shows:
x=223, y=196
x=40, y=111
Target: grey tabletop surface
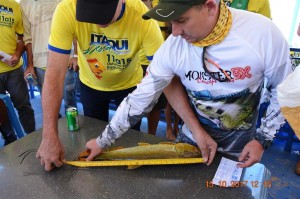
x=22, y=176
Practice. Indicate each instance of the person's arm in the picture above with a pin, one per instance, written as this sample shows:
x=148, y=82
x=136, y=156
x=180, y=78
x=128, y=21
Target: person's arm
x=73, y=62
x=27, y=39
x=178, y=99
x=30, y=66
x=51, y=152
x=298, y=30
x=20, y=47
x=277, y=67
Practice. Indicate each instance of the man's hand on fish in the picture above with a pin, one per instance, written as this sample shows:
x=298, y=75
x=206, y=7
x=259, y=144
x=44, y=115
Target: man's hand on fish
x=93, y=147
x=207, y=146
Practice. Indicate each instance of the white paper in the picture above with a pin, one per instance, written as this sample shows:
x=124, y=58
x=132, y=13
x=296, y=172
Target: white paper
x=5, y=56
x=227, y=173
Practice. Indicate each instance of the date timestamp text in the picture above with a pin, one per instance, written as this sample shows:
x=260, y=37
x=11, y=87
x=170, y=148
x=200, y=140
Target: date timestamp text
x=237, y=184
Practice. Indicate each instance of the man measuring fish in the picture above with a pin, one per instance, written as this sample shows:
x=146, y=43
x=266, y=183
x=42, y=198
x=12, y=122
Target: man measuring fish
x=221, y=56
x=222, y=63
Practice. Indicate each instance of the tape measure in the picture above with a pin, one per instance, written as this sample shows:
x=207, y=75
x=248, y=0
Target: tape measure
x=135, y=162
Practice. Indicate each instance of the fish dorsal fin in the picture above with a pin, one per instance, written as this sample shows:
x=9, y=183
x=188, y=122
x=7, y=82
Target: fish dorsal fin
x=143, y=144
x=84, y=153
x=115, y=148
x=133, y=166
x=169, y=143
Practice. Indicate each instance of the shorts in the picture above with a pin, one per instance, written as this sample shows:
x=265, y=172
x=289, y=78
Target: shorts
x=161, y=102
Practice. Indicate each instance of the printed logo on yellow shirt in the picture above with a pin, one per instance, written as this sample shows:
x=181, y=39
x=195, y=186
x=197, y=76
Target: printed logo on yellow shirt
x=101, y=43
x=96, y=67
x=5, y=9
x=114, y=53
x=5, y=19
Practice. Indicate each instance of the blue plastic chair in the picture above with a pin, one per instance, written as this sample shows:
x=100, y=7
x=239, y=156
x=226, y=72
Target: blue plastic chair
x=286, y=133
x=12, y=115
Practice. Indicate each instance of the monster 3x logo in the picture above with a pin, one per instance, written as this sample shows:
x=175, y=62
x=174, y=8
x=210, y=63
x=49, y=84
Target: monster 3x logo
x=241, y=73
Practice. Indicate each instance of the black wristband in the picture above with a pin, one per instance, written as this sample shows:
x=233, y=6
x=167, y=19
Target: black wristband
x=265, y=142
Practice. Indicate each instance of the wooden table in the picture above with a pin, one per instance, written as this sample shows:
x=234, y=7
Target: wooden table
x=26, y=178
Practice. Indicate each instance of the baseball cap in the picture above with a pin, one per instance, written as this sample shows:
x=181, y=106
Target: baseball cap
x=168, y=10
x=96, y=11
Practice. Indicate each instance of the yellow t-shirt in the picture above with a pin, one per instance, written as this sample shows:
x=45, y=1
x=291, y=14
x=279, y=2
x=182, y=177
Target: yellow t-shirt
x=143, y=59
x=10, y=25
x=260, y=7
x=108, y=57
x=257, y=6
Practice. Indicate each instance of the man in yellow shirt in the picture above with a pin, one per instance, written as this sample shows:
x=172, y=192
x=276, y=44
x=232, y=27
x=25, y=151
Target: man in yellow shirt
x=11, y=72
x=109, y=34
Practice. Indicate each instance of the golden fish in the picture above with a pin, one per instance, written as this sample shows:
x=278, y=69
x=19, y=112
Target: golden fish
x=149, y=151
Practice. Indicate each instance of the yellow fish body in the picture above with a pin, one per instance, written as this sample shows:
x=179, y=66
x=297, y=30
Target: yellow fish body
x=150, y=151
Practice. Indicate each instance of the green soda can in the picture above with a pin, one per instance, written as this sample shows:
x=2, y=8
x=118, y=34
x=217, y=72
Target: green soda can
x=72, y=119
